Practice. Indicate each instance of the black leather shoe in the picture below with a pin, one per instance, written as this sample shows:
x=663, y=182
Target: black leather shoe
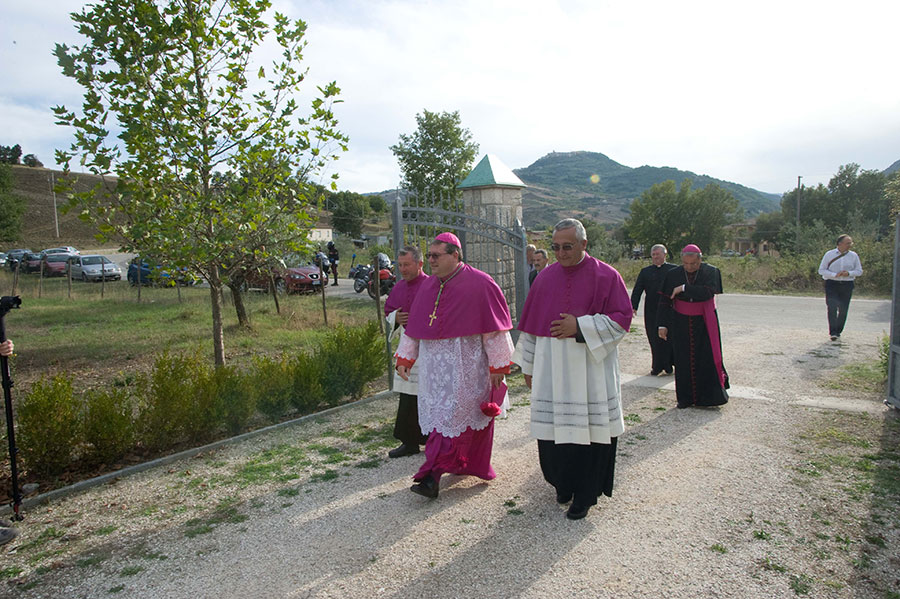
x=654, y=372
x=563, y=497
x=668, y=371
x=403, y=450
x=577, y=512
x=427, y=487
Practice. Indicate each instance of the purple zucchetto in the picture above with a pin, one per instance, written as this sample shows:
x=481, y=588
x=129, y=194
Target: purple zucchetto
x=691, y=249
x=448, y=237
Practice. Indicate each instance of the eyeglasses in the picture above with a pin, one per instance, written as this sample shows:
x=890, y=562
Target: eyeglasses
x=435, y=256
x=566, y=247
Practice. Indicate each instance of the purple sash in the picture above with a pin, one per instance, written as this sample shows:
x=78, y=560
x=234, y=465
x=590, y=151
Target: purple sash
x=707, y=310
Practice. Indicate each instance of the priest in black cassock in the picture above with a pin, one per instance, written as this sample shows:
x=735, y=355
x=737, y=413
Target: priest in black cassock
x=650, y=281
x=687, y=318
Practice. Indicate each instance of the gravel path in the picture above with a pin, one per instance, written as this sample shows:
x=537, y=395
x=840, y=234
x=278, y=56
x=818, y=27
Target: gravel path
x=762, y=498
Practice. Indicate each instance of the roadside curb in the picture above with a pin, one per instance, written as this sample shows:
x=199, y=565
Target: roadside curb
x=187, y=453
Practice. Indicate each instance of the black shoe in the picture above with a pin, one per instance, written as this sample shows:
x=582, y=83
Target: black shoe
x=668, y=371
x=427, y=487
x=577, y=512
x=563, y=497
x=654, y=372
x=835, y=337
x=403, y=450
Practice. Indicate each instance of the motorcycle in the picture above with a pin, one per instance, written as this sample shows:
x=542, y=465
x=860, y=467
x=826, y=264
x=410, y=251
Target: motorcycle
x=359, y=274
x=386, y=278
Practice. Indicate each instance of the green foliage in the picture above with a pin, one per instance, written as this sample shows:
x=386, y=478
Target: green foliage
x=10, y=154
x=352, y=357
x=31, y=160
x=348, y=210
x=108, y=424
x=308, y=391
x=884, y=355
x=48, y=425
x=273, y=385
x=168, y=403
x=11, y=207
x=601, y=243
x=437, y=156
x=209, y=146
x=675, y=217
x=238, y=401
x=377, y=204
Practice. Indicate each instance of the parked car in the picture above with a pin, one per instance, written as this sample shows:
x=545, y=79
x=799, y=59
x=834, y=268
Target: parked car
x=31, y=262
x=288, y=279
x=13, y=257
x=94, y=267
x=2, y=259
x=66, y=249
x=730, y=253
x=151, y=273
x=54, y=265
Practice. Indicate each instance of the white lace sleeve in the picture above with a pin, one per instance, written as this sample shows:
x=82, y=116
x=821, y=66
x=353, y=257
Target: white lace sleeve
x=498, y=347
x=524, y=354
x=408, y=348
x=601, y=334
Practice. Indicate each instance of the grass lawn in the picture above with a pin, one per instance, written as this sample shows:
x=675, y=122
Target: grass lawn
x=100, y=340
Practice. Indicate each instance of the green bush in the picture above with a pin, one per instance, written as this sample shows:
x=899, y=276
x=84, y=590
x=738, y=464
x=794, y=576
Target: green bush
x=237, y=400
x=351, y=357
x=308, y=391
x=48, y=426
x=168, y=401
x=107, y=424
x=884, y=355
x=273, y=385
x=205, y=408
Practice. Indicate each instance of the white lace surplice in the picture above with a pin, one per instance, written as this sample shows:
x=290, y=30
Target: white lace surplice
x=454, y=378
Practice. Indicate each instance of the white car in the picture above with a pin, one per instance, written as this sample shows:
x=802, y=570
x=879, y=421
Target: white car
x=66, y=249
x=94, y=267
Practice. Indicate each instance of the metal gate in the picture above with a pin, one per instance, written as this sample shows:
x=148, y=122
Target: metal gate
x=893, y=390
x=497, y=248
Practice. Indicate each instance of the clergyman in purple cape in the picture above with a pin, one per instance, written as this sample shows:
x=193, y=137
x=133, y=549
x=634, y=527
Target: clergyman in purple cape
x=576, y=313
x=458, y=335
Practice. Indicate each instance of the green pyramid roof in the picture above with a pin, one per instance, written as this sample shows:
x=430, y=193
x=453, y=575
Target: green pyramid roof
x=489, y=172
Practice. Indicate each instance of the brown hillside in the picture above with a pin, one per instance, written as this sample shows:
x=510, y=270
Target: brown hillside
x=38, y=230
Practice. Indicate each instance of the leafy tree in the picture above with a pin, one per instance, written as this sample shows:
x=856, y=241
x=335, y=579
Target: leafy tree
x=675, y=217
x=377, y=204
x=850, y=193
x=601, y=244
x=179, y=82
x=11, y=207
x=10, y=154
x=768, y=228
x=32, y=161
x=438, y=156
x=348, y=210
x=892, y=194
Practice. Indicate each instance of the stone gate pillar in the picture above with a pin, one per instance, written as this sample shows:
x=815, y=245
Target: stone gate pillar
x=493, y=193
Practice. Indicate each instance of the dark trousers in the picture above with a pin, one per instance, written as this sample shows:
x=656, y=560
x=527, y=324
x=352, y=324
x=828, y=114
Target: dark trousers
x=837, y=298
x=660, y=350
x=406, y=428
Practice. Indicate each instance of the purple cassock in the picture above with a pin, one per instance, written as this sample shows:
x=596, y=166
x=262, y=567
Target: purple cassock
x=403, y=294
x=577, y=290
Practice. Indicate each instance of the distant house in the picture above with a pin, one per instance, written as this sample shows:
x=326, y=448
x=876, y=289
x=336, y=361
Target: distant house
x=741, y=241
x=321, y=234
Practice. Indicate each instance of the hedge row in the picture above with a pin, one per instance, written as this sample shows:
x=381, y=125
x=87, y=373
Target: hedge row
x=185, y=400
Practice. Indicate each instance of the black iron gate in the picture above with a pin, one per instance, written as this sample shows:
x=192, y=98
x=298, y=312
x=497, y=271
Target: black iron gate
x=497, y=248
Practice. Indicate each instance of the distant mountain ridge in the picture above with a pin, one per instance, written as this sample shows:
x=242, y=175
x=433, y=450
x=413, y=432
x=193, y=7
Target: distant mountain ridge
x=592, y=185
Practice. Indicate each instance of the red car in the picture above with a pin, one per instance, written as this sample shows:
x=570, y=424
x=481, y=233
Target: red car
x=31, y=262
x=295, y=279
x=55, y=265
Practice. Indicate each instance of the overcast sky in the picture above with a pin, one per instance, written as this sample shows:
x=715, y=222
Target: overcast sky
x=756, y=93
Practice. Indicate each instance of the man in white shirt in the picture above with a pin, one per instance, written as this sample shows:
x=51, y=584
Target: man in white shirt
x=839, y=268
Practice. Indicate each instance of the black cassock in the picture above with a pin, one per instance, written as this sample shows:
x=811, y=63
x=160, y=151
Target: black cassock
x=650, y=281
x=696, y=378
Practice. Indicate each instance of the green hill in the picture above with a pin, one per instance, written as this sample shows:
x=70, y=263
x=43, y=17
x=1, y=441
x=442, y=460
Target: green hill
x=590, y=184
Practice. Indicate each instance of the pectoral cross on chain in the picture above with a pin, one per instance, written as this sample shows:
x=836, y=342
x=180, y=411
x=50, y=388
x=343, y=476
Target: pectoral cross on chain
x=431, y=318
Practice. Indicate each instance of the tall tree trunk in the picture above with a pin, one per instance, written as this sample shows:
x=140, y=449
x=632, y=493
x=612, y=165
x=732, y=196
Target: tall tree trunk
x=215, y=295
x=238, y=299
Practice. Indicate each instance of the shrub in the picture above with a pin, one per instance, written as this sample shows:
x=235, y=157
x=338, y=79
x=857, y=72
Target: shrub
x=351, y=357
x=168, y=402
x=273, y=385
x=884, y=355
x=308, y=391
x=237, y=400
x=108, y=424
x=48, y=425
x=205, y=406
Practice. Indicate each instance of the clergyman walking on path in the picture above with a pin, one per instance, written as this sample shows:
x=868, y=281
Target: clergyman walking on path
x=839, y=268
x=396, y=310
x=649, y=281
x=688, y=318
x=458, y=333
x=573, y=320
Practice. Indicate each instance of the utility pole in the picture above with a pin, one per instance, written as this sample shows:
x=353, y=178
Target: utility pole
x=797, y=249
x=53, y=191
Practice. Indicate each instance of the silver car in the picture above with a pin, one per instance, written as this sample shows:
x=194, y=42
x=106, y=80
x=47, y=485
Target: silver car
x=94, y=267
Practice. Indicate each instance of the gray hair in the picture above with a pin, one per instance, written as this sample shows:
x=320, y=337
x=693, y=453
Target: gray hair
x=569, y=223
x=659, y=246
x=541, y=251
x=411, y=250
